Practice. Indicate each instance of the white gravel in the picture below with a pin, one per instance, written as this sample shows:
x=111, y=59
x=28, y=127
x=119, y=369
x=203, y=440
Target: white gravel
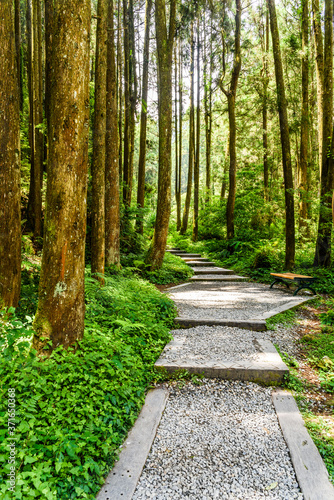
x=215, y=343
x=236, y=301
x=220, y=440
x=226, y=343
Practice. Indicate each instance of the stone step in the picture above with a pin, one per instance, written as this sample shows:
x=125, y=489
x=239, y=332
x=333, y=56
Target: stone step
x=213, y=270
x=199, y=259
x=220, y=278
x=188, y=255
x=258, y=325
x=197, y=263
x=263, y=366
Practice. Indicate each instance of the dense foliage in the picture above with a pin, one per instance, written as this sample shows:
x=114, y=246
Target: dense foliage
x=74, y=408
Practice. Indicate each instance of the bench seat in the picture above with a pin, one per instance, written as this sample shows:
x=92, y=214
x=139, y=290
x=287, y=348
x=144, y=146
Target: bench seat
x=299, y=279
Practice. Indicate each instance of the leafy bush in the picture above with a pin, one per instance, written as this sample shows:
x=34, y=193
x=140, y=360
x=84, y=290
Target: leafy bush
x=74, y=409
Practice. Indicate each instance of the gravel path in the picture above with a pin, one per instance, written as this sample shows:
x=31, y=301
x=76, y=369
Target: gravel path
x=236, y=301
x=225, y=343
x=219, y=440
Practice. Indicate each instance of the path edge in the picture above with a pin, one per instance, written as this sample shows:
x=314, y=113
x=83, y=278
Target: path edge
x=310, y=469
x=122, y=480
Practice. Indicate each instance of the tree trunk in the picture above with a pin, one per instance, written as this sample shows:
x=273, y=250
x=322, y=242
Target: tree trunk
x=180, y=136
x=207, y=113
x=34, y=35
x=127, y=107
x=165, y=41
x=133, y=99
x=198, y=131
x=18, y=48
x=285, y=141
x=186, y=209
x=10, y=198
x=304, y=132
x=112, y=205
x=99, y=142
x=319, y=64
x=231, y=94
x=177, y=169
x=143, y=118
x=119, y=87
x=323, y=246
x=61, y=306
x=265, y=109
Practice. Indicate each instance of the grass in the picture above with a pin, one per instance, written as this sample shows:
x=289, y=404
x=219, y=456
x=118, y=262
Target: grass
x=74, y=409
x=323, y=436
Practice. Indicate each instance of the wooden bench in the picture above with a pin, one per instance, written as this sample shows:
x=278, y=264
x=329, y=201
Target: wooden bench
x=300, y=280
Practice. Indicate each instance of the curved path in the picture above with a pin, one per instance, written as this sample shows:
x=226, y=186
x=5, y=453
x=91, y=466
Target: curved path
x=226, y=437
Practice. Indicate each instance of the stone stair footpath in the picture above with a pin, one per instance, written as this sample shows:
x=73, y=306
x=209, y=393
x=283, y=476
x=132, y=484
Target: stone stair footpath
x=227, y=438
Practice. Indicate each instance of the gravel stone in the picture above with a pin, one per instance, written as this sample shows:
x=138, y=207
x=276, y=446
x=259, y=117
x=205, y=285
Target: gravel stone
x=219, y=440
x=229, y=300
x=216, y=343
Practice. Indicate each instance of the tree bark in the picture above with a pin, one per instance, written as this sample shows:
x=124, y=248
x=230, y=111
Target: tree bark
x=10, y=198
x=304, y=132
x=180, y=135
x=99, y=142
x=165, y=41
x=319, y=64
x=285, y=142
x=198, y=132
x=265, y=109
x=177, y=169
x=186, y=209
x=143, y=118
x=127, y=108
x=119, y=87
x=207, y=113
x=61, y=305
x=231, y=94
x=112, y=201
x=18, y=48
x=34, y=35
x=323, y=246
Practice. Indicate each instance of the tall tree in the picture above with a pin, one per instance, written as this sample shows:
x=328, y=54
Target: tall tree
x=230, y=93
x=177, y=168
x=35, y=86
x=285, y=141
x=323, y=246
x=191, y=155
x=119, y=88
x=10, y=198
x=198, y=131
x=265, y=79
x=143, y=117
x=127, y=181
x=180, y=136
x=165, y=42
x=99, y=142
x=319, y=64
x=207, y=107
x=304, y=131
x=17, y=17
x=61, y=305
x=112, y=201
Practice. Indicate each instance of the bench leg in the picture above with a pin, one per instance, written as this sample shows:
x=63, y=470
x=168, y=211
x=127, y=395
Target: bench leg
x=278, y=280
x=306, y=287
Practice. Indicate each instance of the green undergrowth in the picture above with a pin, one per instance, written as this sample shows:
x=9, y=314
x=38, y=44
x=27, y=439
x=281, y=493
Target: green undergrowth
x=173, y=270
x=320, y=354
x=323, y=437
x=73, y=410
x=286, y=318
